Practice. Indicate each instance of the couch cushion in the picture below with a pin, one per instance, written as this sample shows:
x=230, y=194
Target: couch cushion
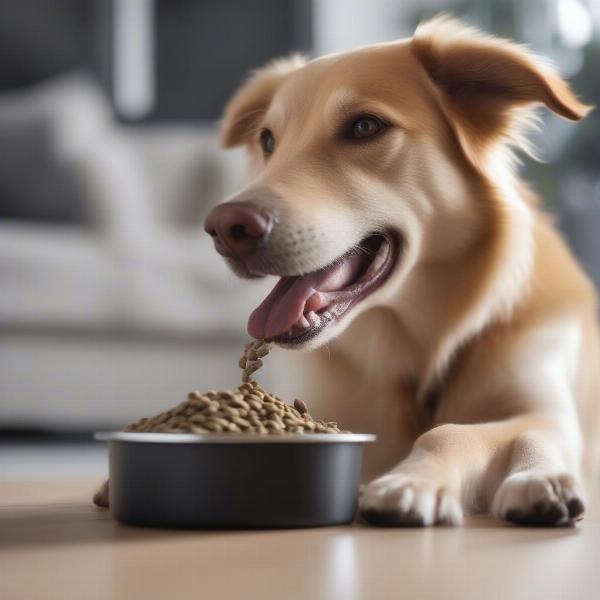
x=54, y=275
x=35, y=185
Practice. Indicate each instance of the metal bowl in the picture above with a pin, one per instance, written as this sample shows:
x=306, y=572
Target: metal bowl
x=234, y=480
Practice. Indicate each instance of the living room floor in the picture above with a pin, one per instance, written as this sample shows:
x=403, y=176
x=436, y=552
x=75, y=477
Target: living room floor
x=55, y=544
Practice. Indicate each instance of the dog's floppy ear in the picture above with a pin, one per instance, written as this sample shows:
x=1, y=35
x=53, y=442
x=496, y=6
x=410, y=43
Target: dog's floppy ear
x=252, y=99
x=484, y=83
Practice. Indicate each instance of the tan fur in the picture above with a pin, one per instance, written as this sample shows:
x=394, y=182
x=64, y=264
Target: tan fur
x=477, y=362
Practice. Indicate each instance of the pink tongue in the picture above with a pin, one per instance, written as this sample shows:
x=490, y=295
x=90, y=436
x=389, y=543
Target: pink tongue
x=287, y=301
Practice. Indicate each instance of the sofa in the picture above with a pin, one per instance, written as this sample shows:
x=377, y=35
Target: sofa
x=113, y=303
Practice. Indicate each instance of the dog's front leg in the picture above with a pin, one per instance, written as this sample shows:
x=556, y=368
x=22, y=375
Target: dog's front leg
x=437, y=483
x=541, y=485
x=517, y=468
x=523, y=468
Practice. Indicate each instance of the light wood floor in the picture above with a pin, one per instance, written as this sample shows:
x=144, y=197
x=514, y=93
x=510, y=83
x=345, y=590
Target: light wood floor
x=55, y=545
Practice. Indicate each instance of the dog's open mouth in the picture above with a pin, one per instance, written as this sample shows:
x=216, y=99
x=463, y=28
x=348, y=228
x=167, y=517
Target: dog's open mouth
x=300, y=307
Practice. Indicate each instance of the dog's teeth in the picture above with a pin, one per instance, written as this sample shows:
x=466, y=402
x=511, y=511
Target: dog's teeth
x=302, y=323
x=327, y=315
x=313, y=318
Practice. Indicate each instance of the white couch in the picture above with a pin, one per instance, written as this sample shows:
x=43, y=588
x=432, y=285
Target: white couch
x=123, y=315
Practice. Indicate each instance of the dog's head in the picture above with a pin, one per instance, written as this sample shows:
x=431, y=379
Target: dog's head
x=367, y=163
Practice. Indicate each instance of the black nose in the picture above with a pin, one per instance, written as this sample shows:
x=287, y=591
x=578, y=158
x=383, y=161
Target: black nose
x=238, y=228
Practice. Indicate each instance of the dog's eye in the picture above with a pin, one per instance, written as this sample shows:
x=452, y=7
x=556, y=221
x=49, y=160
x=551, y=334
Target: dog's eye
x=267, y=141
x=366, y=127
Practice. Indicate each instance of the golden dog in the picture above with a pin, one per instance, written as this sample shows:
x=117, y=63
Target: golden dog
x=460, y=329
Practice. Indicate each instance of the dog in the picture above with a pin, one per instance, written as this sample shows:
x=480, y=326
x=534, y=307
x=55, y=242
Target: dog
x=445, y=312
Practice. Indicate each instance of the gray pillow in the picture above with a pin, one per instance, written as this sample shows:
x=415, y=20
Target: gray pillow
x=34, y=185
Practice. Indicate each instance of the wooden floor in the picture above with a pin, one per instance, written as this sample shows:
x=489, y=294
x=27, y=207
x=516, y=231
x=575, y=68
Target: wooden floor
x=55, y=545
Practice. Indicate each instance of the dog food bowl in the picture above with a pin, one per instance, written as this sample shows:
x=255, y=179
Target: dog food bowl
x=234, y=480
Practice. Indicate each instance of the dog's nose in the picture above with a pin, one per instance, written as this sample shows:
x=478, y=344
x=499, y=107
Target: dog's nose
x=238, y=228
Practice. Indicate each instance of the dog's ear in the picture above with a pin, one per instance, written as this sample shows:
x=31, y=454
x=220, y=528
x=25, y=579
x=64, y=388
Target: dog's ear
x=483, y=83
x=254, y=96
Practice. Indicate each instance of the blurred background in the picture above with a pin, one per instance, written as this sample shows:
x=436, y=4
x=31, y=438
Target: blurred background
x=113, y=303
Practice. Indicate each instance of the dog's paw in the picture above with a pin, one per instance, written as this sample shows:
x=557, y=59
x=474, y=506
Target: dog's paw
x=533, y=498
x=101, y=496
x=400, y=500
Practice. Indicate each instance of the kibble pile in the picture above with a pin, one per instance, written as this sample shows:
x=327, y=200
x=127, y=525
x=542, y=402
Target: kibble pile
x=248, y=409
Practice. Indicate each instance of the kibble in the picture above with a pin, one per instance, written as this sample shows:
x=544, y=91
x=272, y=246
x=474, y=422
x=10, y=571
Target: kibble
x=247, y=409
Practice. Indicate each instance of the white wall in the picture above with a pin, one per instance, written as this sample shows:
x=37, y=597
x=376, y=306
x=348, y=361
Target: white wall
x=344, y=24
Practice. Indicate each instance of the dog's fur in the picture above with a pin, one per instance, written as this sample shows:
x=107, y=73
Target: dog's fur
x=476, y=363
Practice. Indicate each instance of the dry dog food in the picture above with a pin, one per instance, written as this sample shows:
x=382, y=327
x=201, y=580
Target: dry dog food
x=248, y=409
